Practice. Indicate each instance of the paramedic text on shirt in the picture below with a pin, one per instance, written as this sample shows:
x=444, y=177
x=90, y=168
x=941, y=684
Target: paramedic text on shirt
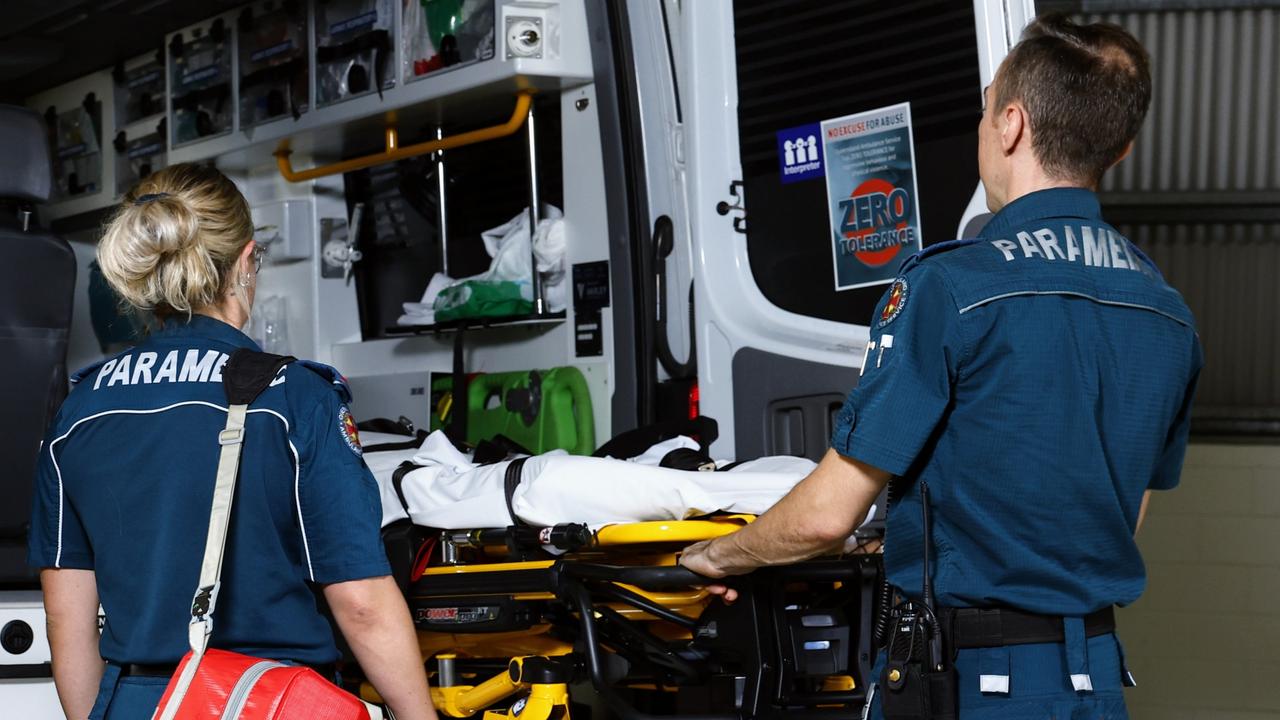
x=125, y=482
x=1038, y=379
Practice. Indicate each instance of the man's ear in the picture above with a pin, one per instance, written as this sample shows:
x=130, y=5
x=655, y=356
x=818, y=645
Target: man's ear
x=1014, y=121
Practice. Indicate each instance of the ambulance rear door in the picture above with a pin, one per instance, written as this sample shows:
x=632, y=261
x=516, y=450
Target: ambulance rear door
x=793, y=248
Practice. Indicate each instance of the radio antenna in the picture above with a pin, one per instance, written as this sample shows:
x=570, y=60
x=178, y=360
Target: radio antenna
x=935, y=639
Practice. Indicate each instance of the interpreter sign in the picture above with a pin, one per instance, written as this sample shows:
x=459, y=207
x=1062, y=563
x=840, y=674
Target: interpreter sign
x=800, y=153
x=871, y=194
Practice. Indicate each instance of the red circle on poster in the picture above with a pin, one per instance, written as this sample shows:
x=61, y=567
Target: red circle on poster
x=876, y=258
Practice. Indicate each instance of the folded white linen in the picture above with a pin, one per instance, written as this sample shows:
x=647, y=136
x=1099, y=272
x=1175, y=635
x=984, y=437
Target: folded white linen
x=423, y=312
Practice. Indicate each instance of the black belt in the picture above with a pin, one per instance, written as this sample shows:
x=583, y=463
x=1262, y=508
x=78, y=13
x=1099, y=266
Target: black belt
x=161, y=670
x=978, y=628
x=328, y=670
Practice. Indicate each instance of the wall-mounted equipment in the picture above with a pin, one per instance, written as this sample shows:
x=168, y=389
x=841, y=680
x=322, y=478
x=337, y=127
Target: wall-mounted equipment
x=362, y=67
x=353, y=49
x=139, y=88
x=272, y=39
x=441, y=34
x=285, y=228
x=75, y=142
x=200, y=82
x=79, y=118
x=138, y=157
x=528, y=31
x=139, y=125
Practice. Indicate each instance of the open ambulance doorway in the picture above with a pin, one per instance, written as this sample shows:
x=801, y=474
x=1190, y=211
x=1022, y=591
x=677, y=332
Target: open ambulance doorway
x=846, y=142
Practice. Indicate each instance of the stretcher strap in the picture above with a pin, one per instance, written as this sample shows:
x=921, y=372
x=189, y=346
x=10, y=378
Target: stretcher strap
x=457, y=428
x=509, y=485
x=631, y=443
x=397, y=481
x=423, y=558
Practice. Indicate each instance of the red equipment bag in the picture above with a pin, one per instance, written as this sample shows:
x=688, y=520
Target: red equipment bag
x=222, y=685
x=239, y=686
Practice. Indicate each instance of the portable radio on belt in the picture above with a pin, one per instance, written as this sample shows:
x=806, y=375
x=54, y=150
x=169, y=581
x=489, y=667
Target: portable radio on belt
x=919, y=678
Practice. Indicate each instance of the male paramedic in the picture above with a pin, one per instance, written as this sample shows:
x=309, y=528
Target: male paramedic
x=1038, y=380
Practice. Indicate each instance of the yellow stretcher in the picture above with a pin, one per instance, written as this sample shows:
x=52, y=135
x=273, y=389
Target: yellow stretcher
x=509, y=629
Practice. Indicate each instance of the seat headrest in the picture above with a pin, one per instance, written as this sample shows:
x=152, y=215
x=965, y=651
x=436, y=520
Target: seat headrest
x=26, y=172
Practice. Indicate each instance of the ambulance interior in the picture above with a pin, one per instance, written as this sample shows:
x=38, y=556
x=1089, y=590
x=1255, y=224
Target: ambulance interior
x=544, y=203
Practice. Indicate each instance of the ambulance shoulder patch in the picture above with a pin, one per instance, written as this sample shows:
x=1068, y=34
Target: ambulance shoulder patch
x=347, y=426
x=898, y=294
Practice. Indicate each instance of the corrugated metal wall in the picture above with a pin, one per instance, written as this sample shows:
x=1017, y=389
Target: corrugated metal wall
x=1213, y=121
x=1201, y=194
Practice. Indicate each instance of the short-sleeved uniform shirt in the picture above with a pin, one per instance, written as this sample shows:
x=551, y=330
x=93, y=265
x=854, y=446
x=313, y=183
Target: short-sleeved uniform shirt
x=1039, y=378
x=125, y=482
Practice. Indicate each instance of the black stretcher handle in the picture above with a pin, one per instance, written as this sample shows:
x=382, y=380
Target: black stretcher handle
x=645, y=577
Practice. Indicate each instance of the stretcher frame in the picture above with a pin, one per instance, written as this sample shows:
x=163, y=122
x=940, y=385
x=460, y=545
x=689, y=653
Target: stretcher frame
x=616, y=615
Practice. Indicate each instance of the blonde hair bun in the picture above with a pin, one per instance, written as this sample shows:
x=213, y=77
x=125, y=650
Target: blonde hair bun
x=171, y=246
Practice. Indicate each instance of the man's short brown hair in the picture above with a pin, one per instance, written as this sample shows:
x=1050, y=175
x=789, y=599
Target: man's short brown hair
x=1086, y=89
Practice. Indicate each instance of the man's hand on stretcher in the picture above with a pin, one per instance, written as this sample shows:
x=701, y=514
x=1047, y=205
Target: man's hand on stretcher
x=818, y=515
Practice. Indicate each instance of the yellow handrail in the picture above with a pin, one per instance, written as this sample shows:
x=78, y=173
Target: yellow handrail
x=392, y=153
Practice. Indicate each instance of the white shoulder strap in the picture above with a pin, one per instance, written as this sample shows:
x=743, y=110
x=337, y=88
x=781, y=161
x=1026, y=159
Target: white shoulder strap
x=231, y=439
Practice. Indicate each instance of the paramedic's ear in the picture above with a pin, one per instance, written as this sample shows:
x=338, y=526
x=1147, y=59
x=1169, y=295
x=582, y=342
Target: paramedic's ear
x=246, y=259
x=1013, y=125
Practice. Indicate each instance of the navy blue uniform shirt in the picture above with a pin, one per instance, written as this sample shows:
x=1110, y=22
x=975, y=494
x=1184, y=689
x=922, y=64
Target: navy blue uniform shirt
x=125, y=483
x=1039, y=378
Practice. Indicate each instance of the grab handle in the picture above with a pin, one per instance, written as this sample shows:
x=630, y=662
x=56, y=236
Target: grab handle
x=523, y=101
x=642, y=576
x=584, y=424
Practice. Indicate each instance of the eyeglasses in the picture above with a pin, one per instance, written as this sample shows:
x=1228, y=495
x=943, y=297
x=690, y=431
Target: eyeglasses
x=259, y=252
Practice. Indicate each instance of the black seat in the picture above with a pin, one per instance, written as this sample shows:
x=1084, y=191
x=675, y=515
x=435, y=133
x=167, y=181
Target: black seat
x=37, y=284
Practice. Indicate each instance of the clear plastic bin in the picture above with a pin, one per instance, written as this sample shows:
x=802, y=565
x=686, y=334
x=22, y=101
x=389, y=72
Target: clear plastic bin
x=200, y=81
x=438, y=35
x=353, y=48
x=273, y=62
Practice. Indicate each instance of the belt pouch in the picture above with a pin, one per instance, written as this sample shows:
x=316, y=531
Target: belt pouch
x=918, y=694
x=904, y=695
x=943, y=693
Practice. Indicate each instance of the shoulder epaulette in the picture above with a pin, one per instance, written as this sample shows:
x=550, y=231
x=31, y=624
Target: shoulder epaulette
x=332, y=376
x=935, y=249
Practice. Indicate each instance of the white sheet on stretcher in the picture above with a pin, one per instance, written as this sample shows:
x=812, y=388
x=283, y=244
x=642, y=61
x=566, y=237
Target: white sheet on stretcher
x=451, y=492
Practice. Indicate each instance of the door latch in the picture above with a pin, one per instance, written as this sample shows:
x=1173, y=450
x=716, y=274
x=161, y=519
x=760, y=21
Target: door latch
x=724, y=207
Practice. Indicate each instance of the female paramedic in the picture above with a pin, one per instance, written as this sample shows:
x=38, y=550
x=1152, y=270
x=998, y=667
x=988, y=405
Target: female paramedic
x=126, y=478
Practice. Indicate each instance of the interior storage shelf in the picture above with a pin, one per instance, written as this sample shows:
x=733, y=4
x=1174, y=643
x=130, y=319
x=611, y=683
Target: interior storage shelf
x=359, y=86
x=475, y=323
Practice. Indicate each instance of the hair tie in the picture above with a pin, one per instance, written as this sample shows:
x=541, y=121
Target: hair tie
x=144, y=199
